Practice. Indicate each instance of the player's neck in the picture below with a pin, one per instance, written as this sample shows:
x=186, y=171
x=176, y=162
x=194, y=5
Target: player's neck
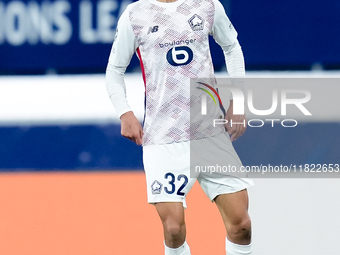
x=167, y=1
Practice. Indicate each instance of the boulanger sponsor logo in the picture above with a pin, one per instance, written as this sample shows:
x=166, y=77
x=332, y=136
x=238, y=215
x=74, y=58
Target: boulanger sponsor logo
x=300, y=98
x=181, y=55
x=156, y=187
x=177, y=43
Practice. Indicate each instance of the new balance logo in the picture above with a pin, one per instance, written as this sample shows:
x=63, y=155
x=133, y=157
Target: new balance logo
x=153, y=29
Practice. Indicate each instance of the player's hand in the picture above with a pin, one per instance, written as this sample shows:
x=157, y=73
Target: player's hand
x=131, y=128
x=235, y=130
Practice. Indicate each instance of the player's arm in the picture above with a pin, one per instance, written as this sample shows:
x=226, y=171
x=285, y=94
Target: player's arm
x=226, y=36
x=123, y=48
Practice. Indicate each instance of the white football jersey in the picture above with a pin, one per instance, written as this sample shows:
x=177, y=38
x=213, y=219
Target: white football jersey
x=171, y=41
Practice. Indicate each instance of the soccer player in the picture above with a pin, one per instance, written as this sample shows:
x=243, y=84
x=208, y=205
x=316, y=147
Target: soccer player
x=170, y=38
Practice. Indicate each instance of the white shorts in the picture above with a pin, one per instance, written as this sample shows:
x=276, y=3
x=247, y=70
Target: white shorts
x=167, y=168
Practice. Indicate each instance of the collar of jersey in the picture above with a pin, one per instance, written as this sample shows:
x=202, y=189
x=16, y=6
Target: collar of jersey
x=163, y=4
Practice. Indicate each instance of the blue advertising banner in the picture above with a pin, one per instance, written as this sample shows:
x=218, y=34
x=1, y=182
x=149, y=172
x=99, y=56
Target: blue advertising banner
x=75, y=36
x=288, y=33
x=101, y=147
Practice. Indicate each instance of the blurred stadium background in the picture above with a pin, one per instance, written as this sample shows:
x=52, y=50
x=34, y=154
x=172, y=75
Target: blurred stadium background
x=70, y=184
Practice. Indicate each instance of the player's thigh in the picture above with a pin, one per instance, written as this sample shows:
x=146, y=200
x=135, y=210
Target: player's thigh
x=171, y=213
x=233, y=207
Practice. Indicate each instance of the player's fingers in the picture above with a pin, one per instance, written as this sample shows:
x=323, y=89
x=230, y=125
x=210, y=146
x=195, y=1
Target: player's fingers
x=240, y=129
x=139, y=138
x=126, y=135
x=235, y=135
x=243, y=126
x=138, y=141
x=236, y=130
x=232, y=129
x=141, y=133
x=243, y=129
x=227, y=126
x=129, y=135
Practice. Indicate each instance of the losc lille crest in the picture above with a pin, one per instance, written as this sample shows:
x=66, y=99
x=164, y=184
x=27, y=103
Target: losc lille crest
x=196, y=22
x=156, y=187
